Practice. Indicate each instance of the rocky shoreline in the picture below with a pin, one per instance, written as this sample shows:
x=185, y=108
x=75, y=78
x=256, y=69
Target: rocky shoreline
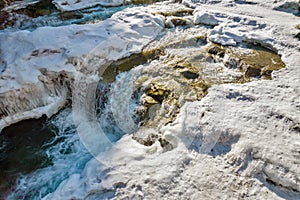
x=222, y=80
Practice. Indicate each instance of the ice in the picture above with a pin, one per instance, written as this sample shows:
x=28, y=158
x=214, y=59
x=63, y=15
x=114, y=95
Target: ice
x=59, y=50
x=71, y=5
x=239, y=141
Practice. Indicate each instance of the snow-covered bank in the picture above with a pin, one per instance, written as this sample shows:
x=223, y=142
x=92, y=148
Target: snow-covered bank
x=38, y=67
x=241, y=141
x=77, y=5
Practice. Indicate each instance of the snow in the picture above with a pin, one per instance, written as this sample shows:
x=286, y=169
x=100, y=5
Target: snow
x=71, y=5
x=60, y=50
x=252, y=128
x=241, y=141
x=204, y=17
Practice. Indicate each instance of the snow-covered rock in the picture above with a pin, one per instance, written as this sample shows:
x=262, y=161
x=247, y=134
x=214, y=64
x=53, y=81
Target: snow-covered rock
x=204, y=17
x=71, y=5
x=40, y=65
x=241, y=141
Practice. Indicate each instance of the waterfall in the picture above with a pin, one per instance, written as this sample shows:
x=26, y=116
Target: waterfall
x=84, y=113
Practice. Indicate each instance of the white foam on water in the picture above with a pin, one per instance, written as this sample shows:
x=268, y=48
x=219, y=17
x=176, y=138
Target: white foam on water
x=67, y=154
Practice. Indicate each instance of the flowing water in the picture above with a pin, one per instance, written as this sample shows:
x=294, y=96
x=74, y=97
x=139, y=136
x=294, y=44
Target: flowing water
x=37, y=155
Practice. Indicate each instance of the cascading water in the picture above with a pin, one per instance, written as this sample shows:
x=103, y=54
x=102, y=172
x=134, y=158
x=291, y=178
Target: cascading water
x=80, y=132
x=67, y=156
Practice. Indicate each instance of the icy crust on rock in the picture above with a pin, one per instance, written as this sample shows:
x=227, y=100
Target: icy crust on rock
x=232, y=25
x=38, y=67
x=71, y=5
x=241, y=141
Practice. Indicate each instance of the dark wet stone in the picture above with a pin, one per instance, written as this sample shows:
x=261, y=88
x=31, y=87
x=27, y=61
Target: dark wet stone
x=297, y=36
x=217, y=50
x=178, y=67
x=167, y=146
x=267, y=74
x=122, y=65
x=177, y=21
x=252, y=72
x=157, y=92
x=190, y=75
x=148, y=141
x=5, y=20
x=70, y=15
x=44, y=7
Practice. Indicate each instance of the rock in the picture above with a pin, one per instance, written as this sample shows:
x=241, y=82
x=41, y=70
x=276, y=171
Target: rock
x=217, y=50
x=252, y=72
x=231, y=61
x=148, y=100
x=157, y=92
x=290, y=6
x=41, y=8
x=297, y=36
x=236, y=141
x=70, y=5
x=58, y=49
x=70, y=15
x=148, y=141
x=172, y=22
x=190, y=75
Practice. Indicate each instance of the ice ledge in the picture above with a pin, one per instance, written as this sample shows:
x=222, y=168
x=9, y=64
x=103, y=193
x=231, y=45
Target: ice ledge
x=71, y=5
x=41, y=63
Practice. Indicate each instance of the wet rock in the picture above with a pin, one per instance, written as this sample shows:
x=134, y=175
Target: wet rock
x=217, y=50
x=178, y=21
x=125, y=64
x=190, y=75
x=178, y=67
x=44, y=7
x=231, y=61
x=180, y=12
x=157, y=92
x=252, y=72
x=253, y=61
x=148, y=100
x=267, y=74
x=6, y=20
x=167, y=146
x=288, y=6
x=70, y=15
x=150, y=139
x=147, y=141
x=297, y=36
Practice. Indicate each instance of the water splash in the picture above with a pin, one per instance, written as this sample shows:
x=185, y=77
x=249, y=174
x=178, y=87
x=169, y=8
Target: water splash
x=67, y=155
